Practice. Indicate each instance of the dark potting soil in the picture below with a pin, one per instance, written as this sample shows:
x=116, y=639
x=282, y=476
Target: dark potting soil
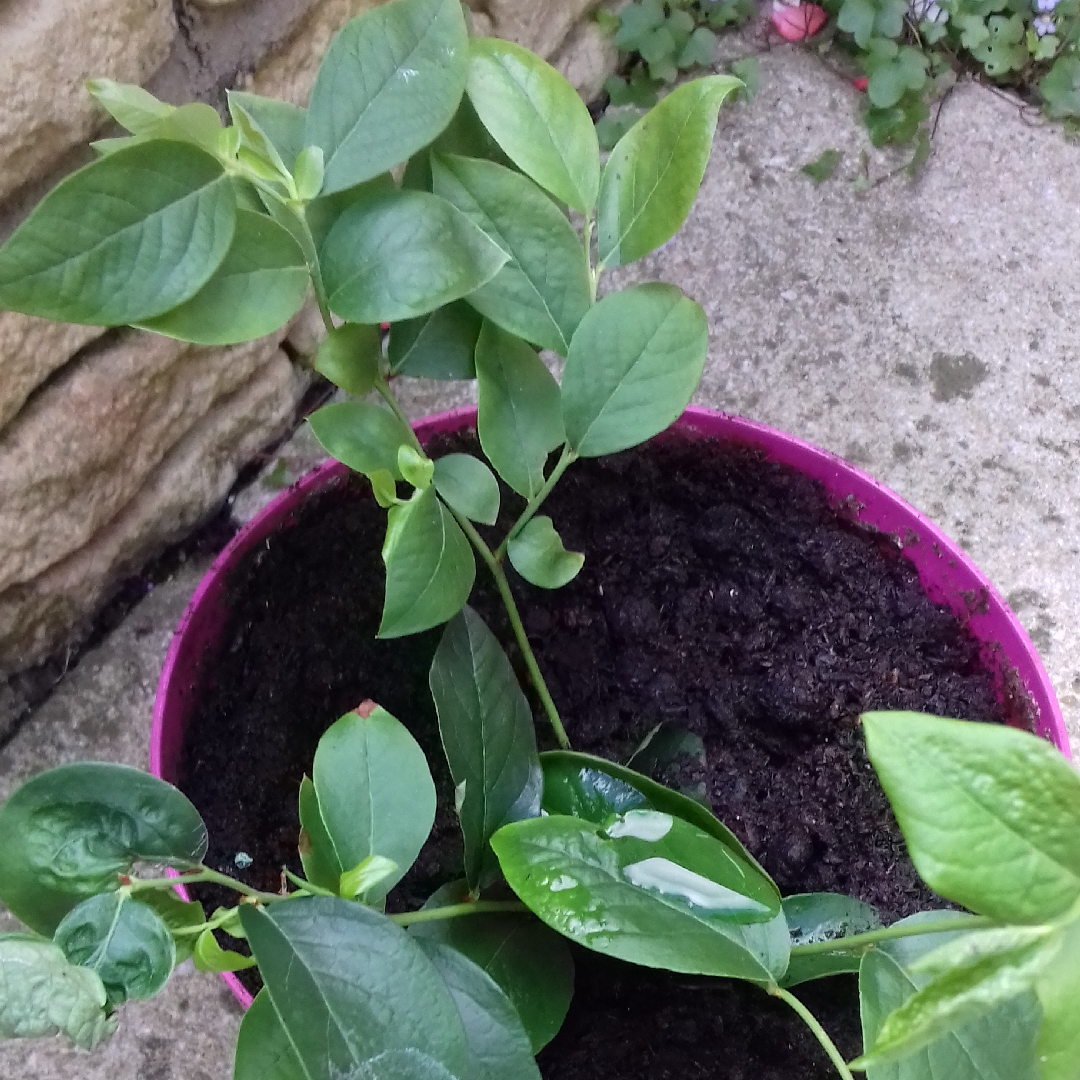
x=721, y=594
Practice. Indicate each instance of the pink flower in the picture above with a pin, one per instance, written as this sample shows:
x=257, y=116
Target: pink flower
x=861, y=83
x=797, y=23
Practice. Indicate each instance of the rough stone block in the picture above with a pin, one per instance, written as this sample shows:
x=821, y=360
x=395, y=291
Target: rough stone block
x=587, y=57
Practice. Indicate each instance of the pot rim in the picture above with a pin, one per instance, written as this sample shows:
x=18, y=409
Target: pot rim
x=947, y=574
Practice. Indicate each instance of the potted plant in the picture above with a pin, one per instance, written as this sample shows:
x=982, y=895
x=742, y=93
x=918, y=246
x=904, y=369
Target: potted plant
x=214, y=234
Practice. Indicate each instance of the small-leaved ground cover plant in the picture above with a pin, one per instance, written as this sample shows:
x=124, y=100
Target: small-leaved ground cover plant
x=215, y=234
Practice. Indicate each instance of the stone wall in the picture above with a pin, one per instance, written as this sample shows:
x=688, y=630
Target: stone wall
x=116, y=443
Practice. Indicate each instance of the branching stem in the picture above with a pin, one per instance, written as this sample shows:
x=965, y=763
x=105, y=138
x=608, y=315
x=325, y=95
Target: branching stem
x=395, y=407
x=567, y=459
x=204, y=873
x=454, y=911
x=891, y=933
x=820, y=1033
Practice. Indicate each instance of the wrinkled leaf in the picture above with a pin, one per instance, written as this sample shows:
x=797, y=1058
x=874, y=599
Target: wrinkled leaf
x=430, y=567
x=389, y=83
x=124, y=943
x=990, y=814
x=487, y=732
x=124, y=239
x=537, y=118
x=360, y=434
x=543, y=291
x=349, y=357
x=468, y=486
x=439, y=345
x=70, y=831
x=375, y=793
x=538, y=555
x=263, y=1050
x=518, y=413
x=634, y=364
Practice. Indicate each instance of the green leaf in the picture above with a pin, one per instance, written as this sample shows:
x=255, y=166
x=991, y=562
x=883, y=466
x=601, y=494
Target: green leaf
x=375, y=793
x=468, y=486
x=350, y=356
x=634, y=364
x=639, y=90
x=70, y=831
x=322, y=213
x=360, y=434
x=813, y=917
x=1004, y=49
x=176, y=914
x=1058, y=990
x=519, y=420
x=998, y=1045
x=487, y=732
x=210, y=956
x=258, y=288
x=348, y=986
x=400, y=254
x=531, y=963
x=865, y=18
x=231, y=924
x=130, y=106
x=700, y=48
x=1011, y=803
x=389, y=83
x=543, y=290
x=652, y=177
x=538, y=555
x=309, y=173
x=537, y=118
x=615, y=123
x=253, y=139
x=281, y=123
x=436, y=346
x=498, y=1042
x=362, y=878
x=898, y=124
x=125, y=238
x=41, y=994
x=921, y=155
x=823, y=166
x=123, y=942
x=317, y=855
x=974, y=30
x=430, y=567
x=1060, y=88
x=606, y=892
x=263, y=1050
x=637, y=21
x=893, y=70
x=417, y=468
x=593, y=788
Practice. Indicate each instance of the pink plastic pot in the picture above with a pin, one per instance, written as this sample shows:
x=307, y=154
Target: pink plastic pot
x=946, y=573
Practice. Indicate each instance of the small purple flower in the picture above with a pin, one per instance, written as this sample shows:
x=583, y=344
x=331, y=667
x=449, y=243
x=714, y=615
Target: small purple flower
x=1044, y=25
x=1045, y=5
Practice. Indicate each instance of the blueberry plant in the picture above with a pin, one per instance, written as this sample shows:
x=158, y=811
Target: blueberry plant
x=469, y=250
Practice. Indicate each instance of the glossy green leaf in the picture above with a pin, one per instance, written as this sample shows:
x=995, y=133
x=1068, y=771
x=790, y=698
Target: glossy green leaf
x=130, y=106
x=593, y=788
x=487, y=732
x=349, y=357
x=1058, y=991
x=375, y=793
x=125, y=238
x=531, y=963
x=634, y=364
x=518, y=412
x=542, y=293
x=281, y=122
x=538, y=555
x=814, y=917
x=322, y=213
x=499, y=1045
x=362, y=878
x=41, y=994
x=70, y=831
x=990, y=814
x=349, y=985
x=608, y=893
x=258, y=288
x=210, y=956
x=417, y=468
x=652, y=177
x=263, y=1050
x=537, y=118
x=384, y=489
x=360, y=434
x=317, y=855
x=176, y=914
x=124, y=943
x=400, y=254
x=999, y=1045
x=468, y=486
x=389, y=83
x=430, y=567
x=439, y=345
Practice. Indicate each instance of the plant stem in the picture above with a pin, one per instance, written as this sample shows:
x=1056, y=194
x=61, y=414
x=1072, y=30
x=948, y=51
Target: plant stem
x=204, y=873
x=567, y=459
x=890, y=933
x=307, y=886
x=820, y=1033
x=454, y=911
x=395, y=407
x=594, y=272
x=503, y=586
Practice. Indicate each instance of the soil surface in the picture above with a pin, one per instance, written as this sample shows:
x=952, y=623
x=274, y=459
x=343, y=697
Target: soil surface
x=720, y=594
